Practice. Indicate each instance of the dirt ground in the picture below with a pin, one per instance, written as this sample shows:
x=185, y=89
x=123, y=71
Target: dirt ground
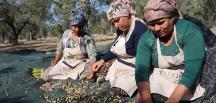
x=47, y=44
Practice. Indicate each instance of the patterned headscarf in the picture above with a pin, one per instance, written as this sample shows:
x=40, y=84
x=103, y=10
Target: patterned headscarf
x=156, y=9
x=120, y=8
x=77, y=18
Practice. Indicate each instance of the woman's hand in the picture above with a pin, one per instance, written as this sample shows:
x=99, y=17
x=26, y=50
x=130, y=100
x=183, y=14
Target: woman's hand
x=53, y=62
x=94, y=68
x=97, y=65
x=91, y=73
x=177, y=94
x=58, y=56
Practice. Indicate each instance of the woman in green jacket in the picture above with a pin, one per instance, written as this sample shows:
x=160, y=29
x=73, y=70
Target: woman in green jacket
x=170, y=56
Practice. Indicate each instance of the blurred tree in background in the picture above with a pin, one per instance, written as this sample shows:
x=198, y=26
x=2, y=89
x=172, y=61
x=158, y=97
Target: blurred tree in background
x=31, y=19
x=202, y=10
x=92, y=9
x=23, y=14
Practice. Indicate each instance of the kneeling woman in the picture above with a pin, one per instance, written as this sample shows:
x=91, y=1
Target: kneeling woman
x=121, y=73
x=170, y=56
x=75, y=52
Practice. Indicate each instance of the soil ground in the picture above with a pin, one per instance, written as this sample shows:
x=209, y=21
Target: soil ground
x=48, y=44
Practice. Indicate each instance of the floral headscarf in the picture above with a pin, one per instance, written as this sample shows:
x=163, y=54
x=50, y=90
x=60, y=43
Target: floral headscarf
x=120, y=8
x=156, y=9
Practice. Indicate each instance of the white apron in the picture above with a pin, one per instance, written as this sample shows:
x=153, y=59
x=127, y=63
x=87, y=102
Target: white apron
x=71, y=65
x=121, y=73
x=165, y=79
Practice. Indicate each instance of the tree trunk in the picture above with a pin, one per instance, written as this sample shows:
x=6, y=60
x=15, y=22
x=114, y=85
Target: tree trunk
x=30, y=36
x=15, y=39
x=1, y=37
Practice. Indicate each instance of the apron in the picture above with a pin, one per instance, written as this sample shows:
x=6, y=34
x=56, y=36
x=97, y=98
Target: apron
x=165, y=79
x=72, y=65
x=121, y=73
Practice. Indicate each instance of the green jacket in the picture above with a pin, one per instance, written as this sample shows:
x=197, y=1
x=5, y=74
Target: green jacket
x=191, y=41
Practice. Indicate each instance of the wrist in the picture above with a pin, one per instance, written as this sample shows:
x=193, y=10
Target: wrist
x=174, y=99
x=144, y=89
x=146, y=97
x=178, y=93
x=102, y=61
x=55, y=60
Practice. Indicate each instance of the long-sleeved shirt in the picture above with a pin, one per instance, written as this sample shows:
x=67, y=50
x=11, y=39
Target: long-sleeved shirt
x=131, y=44
x=190, y=40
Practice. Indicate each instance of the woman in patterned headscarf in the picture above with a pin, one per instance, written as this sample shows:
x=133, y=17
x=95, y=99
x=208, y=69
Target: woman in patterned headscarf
x=121, y=74
x=75, y=52
x=170, y=56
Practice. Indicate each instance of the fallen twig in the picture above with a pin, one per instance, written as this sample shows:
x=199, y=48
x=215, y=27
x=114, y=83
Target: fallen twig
x=6, y=92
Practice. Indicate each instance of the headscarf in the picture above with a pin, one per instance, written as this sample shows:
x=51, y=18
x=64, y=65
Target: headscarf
x=77, y=18
x=156, y=9
x=120, y=8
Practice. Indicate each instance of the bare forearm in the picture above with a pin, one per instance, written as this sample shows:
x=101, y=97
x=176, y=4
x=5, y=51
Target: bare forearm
x=145, y=93
x=58, y=56
x=177, y=94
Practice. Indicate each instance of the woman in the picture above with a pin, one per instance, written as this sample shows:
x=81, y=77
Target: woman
x=75, y=52
x=170, y=56
x=121, y=74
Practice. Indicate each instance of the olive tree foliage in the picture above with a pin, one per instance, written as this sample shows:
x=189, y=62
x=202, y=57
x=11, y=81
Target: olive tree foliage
x=61, y=12
x=20, y=14
x=90, y=8
x=4, y=30
x=209, y=12
x=202, y=13
x=139, y=6
x=202, y=10
x=100, y=25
